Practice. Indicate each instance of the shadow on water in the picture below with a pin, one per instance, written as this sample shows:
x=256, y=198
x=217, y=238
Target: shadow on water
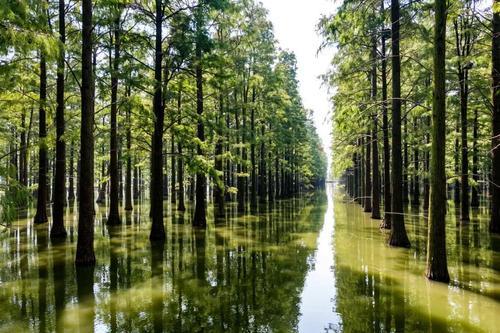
x=249, y=273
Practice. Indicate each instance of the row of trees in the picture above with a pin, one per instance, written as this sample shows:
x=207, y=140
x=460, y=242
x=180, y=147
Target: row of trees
x=425, y=104
x=149, y=98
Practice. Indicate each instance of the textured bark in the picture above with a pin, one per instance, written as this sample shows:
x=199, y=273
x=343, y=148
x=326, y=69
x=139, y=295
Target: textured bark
x=475, y=160
x=71, y=176
x=386, y=224
x=200, y=209
x=128, y=174
x=495, y=142
x=262, y=169
x=398, y=235
x=157, y=227
x=376, y=172
x=416, y=162
x=114, y=215
x=85, y=244
x=253, y=189
x=59, y=194
x=219, y=162
x=437, y=268
x=368, y=175
x=41, y=204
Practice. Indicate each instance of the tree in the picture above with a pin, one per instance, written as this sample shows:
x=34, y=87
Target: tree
x=114, y=216
x=58, y=230
x=398, y=235
x=495, y=141
x=437, y=268
x=85, y=248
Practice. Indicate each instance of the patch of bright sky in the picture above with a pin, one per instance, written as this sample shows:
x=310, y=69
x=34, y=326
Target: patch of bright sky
x=295, y=27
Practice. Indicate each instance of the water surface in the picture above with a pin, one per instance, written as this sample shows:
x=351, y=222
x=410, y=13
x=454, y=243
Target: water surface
x=309, y=264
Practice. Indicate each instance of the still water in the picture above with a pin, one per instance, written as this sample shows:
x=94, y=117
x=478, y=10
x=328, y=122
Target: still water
x=310, y=264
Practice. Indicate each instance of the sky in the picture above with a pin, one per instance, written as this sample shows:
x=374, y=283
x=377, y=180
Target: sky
x=295, y=23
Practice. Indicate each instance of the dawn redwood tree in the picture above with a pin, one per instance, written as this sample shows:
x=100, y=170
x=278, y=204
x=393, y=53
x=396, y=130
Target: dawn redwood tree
x=41, y=203
x=58, y=230
x=114, y=215
x=157, y=227
x=437, y=267
x=128, y=173
x=398, y=235
x=200, y=213
x=386, y=224
x=376, y=173
x=495, y=141
x=85, y=245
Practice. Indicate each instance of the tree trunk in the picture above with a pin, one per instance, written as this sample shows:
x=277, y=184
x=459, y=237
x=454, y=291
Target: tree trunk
x=474, y=193
x=173, y=181
x=376, y=172
x=71, y=176
x=262, y=169
x=398, y=235
x=368, y=175
x=128, y=175
x=114, y=215
x=416, y=177
x=85, y=245
x=59, y=194
x=427, y=167
x=180, y=163
x=200, y=214
x=157, y=227
x=495, y=142
x=219, y=162
x=253, y=190
x=386, y=224
x=41, y=204
x=437, y=268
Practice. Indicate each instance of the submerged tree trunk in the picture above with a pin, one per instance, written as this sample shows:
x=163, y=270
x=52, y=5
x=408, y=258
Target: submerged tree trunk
x=157, y=227
x=41, y=204
x=180, y=163
x=253, y=190
x=437, y=268
x=475, y=176
x=128, y=174
x=85, y=245
x=495, y=142
x=386, y=224
x=376, y=172
x=416, y=177
x=114, y=216
x=219, y=162
x=58, y=230
x=398, y=235
x=71, y=176
x=200, y=213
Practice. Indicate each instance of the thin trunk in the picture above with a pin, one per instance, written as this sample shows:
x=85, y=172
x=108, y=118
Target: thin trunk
x=416, y=177
x=376, y=172
x=59, y=194
x=253, y=192
x=128, y=176
x=495, y=142
x=114, y=215
x=437, y=268
x=219, y=162
x=157, y=227
x=180, y=165
x=474, y=193
x=398, y=235
x=386, y=224
x=200, y=214
x=173, y=181
x=41, y=205
x=85, y=245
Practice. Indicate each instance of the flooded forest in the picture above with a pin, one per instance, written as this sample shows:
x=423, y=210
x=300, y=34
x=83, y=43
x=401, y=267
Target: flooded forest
x=161, y=169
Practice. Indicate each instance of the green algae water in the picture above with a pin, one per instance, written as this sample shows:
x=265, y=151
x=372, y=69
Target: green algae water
x=309, y=264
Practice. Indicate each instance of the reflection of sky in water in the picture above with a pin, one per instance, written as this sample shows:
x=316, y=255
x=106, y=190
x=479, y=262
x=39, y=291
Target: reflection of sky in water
x=319, y=291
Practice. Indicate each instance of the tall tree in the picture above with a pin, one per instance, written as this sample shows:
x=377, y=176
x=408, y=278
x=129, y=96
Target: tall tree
x=495, y=142
x=85, y=245
x=437, y=267
x=398, y=235
x=114, y=215
x=58, y=230
x=157, y=227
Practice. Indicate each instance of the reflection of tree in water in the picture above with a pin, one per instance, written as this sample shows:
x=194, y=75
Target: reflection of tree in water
x=243, y=274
